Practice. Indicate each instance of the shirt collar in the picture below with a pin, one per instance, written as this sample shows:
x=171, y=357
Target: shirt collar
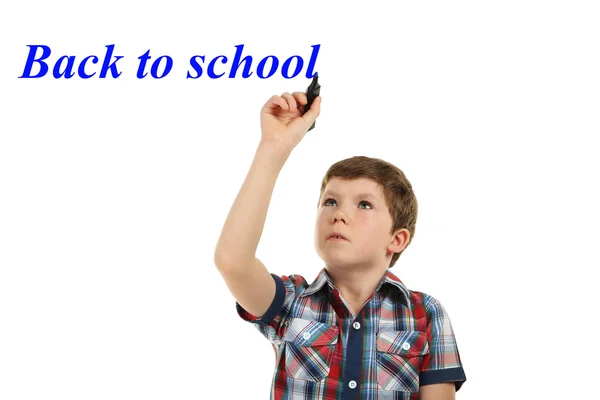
x=324, y=278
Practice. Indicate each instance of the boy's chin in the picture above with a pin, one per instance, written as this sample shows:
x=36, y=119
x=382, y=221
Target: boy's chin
x=335, y=256
x=340, y=262
x=345, y=262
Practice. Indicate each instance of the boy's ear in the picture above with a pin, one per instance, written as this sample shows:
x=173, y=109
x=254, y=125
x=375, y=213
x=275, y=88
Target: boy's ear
x=399, y=240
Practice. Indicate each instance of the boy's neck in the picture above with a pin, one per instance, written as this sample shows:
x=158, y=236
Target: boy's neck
x=356, y=285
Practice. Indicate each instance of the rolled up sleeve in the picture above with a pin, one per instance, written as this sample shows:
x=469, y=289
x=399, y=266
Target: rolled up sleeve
x=442, y=363
x=286, y=291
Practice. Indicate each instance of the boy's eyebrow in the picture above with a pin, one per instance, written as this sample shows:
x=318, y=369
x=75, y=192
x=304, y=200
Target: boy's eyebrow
x=362, y=195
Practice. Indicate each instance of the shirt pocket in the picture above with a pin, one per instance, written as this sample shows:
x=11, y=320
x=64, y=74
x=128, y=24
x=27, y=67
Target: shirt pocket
x=309, y=348
x=399, y=358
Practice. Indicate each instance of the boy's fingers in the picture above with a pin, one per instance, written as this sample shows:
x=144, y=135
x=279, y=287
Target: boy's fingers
x=300, y=97
x=290, y=100
x=275, y=101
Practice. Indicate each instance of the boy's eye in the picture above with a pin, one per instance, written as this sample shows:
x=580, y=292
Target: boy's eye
x=326, y=202
x=367, y=203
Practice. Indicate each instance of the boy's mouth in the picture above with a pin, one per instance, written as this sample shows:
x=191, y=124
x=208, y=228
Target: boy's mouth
x=336, y=236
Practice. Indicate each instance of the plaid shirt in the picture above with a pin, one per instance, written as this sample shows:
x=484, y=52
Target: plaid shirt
x=399, y=340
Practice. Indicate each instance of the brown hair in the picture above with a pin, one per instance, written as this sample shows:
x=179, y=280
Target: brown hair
x=397, y=190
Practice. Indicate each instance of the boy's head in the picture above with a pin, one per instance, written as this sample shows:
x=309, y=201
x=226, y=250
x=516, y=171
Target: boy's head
x=371, y=203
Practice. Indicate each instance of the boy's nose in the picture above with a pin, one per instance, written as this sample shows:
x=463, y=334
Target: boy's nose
x=339, y=216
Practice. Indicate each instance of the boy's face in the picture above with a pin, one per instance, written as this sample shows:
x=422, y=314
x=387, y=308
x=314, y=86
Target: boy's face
x=357, y=210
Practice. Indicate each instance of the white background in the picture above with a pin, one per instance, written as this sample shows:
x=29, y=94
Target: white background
x=113, y=192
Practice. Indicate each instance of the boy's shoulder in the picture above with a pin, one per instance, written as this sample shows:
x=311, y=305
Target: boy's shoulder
x=430, y=303
x=417, y=296
x=414, y=297
x=293, y=279
x=432, y=306
x=423, y=297
x=300, y=284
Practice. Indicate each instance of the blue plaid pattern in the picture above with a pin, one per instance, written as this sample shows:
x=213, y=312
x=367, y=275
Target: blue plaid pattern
x=399, y=341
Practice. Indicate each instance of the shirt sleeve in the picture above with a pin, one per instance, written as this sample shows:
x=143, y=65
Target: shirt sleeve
x=442, y=363
x=287, y=289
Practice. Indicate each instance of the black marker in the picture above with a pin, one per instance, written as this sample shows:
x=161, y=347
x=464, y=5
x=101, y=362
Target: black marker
x=313, y=90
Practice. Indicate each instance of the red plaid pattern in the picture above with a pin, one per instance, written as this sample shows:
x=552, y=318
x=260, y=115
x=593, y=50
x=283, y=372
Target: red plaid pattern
x=399, y=341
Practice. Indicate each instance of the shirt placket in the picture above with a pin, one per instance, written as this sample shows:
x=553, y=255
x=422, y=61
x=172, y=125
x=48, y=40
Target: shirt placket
x=352, y=339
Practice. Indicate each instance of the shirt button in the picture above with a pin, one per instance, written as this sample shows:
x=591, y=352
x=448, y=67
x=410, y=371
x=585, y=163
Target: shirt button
x=406, y=345
x=352, y=384
x=306, y=335
x=356, y=325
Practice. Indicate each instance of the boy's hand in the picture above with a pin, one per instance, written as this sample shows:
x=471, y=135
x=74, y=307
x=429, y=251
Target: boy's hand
x=282, y=121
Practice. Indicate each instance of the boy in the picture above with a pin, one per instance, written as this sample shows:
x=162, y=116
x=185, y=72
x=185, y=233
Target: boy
x=356, y=332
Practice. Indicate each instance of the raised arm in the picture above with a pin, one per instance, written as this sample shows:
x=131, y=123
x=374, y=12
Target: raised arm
x=283, y=126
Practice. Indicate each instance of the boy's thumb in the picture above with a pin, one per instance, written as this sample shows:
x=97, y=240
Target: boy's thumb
x=311, y=115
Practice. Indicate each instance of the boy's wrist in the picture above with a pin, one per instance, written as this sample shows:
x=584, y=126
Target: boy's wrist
x=275, y=150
